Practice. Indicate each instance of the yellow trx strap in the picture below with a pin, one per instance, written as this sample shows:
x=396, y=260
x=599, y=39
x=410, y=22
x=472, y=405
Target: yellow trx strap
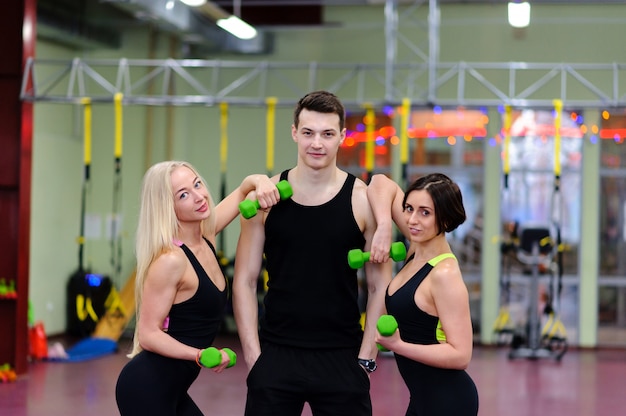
x=554, y=328
x=113, y=303
x=84, y=308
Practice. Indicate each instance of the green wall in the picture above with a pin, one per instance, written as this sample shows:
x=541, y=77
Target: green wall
x=355, y=34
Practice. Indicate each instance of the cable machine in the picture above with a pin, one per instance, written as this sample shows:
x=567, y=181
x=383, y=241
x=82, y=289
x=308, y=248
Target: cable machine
x=540, y=247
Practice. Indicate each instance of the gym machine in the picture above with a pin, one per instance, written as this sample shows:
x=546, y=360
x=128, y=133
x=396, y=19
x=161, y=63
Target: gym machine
x=536, y=249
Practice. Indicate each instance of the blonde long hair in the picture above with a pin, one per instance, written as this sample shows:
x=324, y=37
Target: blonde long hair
x=157, y=229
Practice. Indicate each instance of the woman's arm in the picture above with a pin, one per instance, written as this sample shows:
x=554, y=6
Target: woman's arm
x=159, y=292
x=265, y=192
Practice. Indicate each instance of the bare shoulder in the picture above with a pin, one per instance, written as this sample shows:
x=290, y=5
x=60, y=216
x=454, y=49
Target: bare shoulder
x=447, y=265
x=360, y=189
x=361, y=205
x=168, y=265
x=359, y=193
x=447, y=274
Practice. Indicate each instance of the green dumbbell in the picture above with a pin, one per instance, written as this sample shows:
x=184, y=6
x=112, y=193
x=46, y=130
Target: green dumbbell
x=357, y=258
x=249, y=208
x=4, y=289
x=386, y=325
x=212, y=357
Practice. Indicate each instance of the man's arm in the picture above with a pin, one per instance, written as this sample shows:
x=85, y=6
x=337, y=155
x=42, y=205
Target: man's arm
x=377, y=275
x=385, y=198
x=245, y=282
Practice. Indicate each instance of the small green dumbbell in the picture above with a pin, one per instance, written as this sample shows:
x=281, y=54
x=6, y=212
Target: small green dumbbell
x=212, y=357
x=357, y=258
x=386, y=325
x=4, y=289
x=249, y=208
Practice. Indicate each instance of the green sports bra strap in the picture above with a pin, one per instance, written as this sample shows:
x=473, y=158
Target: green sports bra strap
x=434, y=261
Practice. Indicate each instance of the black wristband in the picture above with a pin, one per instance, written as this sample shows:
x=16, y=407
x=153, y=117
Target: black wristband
x=369, y=365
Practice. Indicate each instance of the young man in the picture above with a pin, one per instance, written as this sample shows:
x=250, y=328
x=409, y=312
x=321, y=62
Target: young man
x=311, y=347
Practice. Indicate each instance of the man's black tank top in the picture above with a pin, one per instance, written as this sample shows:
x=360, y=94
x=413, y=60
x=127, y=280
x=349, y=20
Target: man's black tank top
x=196, y=321
x=312, y=297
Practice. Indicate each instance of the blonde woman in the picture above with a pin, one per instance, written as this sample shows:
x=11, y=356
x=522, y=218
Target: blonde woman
x=179, y=284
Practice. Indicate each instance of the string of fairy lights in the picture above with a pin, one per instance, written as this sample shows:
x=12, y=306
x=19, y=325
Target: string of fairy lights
x=385, y=132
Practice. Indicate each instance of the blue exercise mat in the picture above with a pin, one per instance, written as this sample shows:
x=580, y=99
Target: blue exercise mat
x=89, y=349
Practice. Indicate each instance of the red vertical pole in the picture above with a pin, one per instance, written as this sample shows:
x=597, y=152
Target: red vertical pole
x=25, y=140
x=29, y=35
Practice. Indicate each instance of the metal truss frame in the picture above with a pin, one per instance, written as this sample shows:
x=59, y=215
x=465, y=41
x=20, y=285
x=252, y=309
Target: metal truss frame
x=209, y=82
x=425, y=82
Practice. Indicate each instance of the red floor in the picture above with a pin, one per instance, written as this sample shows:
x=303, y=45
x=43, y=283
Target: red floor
x=584, y=383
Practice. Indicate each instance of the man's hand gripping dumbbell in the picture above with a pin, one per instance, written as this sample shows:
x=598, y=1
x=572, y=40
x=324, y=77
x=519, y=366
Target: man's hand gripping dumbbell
x=357, y=258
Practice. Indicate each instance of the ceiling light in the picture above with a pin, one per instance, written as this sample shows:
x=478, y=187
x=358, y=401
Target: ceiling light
x=237, y=27
x=519, y=14
x=194, y=3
